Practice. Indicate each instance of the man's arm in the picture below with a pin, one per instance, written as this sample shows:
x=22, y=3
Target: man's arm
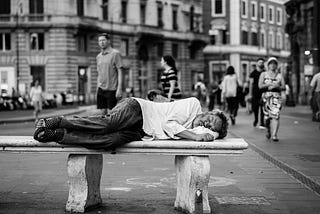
x=197, y=137
x=119, y=67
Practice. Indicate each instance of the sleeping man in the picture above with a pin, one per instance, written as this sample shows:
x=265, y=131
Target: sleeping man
x=133, y=118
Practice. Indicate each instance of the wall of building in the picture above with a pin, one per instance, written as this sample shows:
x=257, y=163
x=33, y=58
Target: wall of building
x=228, y=47
x=62, y=57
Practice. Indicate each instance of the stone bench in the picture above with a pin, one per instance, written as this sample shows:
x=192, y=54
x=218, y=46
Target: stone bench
x=84, y=167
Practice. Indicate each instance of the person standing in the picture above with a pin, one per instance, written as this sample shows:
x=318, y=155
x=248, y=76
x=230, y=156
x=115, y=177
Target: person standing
x=213, y=88
x=229, y=92
x=169, y=78
x=272, y=82
x=36, y=99
x=315, y=87
x=255, y=93
x=109, y=67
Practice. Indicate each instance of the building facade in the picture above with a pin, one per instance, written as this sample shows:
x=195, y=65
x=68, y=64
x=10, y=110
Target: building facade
x=303, y=27
x=240, y=32
x=56, y=42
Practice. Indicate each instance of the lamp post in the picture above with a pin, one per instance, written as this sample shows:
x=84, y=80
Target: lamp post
x=19, y=10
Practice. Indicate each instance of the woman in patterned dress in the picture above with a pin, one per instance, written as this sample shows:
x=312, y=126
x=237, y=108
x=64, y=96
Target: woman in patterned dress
x=169, y=78
x=272, y=83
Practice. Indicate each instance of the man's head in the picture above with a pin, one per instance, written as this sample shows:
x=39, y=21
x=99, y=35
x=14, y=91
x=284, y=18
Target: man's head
x=260, y=63
x=104, y=40
x=214, y=120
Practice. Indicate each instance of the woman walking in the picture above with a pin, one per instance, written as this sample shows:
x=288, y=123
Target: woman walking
x=169, y=78
x=229, y=92
x=36, y=99
x=272, y=83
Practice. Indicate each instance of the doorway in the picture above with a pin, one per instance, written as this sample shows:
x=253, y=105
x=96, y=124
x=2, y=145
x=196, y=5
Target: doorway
x=38, y=73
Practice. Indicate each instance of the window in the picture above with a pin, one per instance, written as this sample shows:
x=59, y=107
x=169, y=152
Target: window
x=37, y=41
x=192, y=52
x=5, y=42
x=36, y=8
x=174, y=17
x=213, y=39
x=254, y=38
x=5, y=9
x=271, y=15
x=105, y=9
x=143, y=12
x=159, y=12
x=244, y=12
x=254, y=10
x=218, y=8
x=124, y=11
x=287, y=42
x=160, y=50
x=175, y=50
x=279, y=41
x=80, y=8
x=191, y=18
x=244, y=36
x=124, y=47
x=82, y=43
x=279, y=16
x=263, y=12
x=271, y=40
x=224, y=36
x=262, y=39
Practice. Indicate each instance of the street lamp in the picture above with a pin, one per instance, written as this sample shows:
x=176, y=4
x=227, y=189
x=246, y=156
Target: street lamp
x=19, y=11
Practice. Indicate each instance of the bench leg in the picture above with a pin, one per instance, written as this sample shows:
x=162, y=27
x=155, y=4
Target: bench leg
x=193, y=174
x=84, y=173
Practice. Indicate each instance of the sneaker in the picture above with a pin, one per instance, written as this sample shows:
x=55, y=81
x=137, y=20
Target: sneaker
x=262, y=127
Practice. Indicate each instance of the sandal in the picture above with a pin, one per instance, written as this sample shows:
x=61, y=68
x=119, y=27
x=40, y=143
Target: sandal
x=45, y=135
x=50, y=123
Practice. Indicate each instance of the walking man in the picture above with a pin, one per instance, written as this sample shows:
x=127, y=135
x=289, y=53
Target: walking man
x=109, y=67
x=256, y=93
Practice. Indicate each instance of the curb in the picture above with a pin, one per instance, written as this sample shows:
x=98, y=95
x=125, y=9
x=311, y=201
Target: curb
x=299, y=176
x=30, y=119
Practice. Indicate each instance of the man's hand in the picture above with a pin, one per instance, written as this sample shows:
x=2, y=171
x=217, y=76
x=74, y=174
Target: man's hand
x=204, y=137
x=119, y=94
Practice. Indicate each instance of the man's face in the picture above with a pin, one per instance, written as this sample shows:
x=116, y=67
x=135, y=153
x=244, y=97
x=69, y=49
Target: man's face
x=260, y=63
x=103, y=42
x=210, y=121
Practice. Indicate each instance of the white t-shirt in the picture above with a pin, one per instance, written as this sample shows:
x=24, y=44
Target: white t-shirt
x=165, y=120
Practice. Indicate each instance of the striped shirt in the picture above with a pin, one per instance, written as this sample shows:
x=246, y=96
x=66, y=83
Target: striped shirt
x=166, y=77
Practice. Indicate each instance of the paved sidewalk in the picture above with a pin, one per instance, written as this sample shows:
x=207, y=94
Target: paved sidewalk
x=269, y=178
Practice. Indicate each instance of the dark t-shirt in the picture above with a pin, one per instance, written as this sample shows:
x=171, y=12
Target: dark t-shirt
x=255, y=75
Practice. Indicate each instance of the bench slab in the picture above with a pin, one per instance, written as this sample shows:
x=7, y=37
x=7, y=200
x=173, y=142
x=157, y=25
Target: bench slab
x=170, y=147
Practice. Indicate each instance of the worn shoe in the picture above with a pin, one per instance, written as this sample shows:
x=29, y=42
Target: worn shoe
x=45, y=135
x=50, y=123
x=275, y=138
